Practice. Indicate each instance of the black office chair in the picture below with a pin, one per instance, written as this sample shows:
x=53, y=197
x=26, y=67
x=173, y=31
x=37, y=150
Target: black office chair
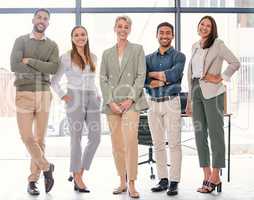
x=183, y=101
x=144, y=135
x=144, y=138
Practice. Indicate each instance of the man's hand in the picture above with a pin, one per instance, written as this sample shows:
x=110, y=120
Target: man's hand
x=213, y=78
x=157, y=75
x=156, y=83
x=126, y=104
x=115, y=108
x=25, y=61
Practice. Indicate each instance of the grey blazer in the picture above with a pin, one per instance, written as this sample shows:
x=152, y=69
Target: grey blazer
x=213, y=60
x=125, y=82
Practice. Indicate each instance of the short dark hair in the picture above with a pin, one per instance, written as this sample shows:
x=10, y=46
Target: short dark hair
x=165, y=24
x=214, y=33
x=41, y=10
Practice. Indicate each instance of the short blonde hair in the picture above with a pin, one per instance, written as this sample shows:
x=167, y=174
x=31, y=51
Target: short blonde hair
x=125, y=18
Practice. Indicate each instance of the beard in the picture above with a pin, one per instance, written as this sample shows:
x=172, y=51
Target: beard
x=38, y=30
x=165, y=44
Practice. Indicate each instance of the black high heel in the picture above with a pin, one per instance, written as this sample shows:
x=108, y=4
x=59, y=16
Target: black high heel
x=70, y=178
x=203, y=188
x=82, y=190
x=76, y=187
x=212, y=186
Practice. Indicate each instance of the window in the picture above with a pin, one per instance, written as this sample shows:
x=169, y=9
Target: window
x=217, y=3
x=128, y=3
x=37, y=4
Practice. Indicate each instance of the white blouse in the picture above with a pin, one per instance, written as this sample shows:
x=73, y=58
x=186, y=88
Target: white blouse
x=120, y=58
x=198, y=63
x=76, y=78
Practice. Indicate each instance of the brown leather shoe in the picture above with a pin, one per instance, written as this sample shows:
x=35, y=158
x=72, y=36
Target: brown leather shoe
x=48, y=178
x=32, y=189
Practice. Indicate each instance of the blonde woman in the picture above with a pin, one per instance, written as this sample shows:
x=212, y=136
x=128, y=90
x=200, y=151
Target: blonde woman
x=122, y=81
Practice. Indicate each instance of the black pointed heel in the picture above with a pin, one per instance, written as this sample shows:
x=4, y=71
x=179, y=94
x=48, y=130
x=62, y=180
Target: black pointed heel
x=212, y=186
x=70, y=178
x=82, y=190
x=219, y=187
x=76, y=187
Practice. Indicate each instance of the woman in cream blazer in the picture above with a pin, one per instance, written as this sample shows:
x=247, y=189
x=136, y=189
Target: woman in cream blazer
x=206, y=99
x=122, y=79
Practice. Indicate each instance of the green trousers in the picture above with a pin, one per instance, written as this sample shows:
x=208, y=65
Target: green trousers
x=208, y=120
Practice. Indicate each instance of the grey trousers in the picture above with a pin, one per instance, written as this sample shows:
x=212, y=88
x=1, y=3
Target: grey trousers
x=84, y=108
x=208, y=120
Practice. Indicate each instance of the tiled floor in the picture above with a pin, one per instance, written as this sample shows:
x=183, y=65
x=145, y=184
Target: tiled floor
x=102, y=178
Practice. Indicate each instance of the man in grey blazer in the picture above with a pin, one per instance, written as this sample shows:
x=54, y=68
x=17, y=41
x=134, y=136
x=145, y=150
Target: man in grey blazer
x=122, y=79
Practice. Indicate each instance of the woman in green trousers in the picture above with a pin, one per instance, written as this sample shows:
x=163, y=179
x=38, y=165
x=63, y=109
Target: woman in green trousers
x=206, y=99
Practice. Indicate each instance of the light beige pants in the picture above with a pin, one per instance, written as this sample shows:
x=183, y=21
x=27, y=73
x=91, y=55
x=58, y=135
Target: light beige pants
x=32, y=118
x=124, y=133
x=164, y=119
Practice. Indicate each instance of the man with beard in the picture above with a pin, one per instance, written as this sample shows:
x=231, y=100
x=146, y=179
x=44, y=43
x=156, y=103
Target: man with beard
x=34, y=57
x=163, y=84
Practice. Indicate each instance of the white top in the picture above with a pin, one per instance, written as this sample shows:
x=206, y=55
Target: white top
x=198, y=63
x=76, y=78
x=120, y=58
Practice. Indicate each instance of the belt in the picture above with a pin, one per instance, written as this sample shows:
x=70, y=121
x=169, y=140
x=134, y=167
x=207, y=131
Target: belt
x=162, y=99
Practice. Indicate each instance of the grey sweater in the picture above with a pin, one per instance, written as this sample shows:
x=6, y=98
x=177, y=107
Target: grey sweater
x=44, y=60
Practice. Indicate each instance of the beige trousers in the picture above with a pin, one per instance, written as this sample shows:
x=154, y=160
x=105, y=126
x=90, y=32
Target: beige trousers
x=164, y=119
x=124, y=133
x=32, y=118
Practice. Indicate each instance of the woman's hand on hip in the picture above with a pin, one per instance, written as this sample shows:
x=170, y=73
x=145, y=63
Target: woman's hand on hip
x=213, y=78
x=67, y=98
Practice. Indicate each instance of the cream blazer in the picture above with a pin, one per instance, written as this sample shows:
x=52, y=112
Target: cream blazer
x=213, y=60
